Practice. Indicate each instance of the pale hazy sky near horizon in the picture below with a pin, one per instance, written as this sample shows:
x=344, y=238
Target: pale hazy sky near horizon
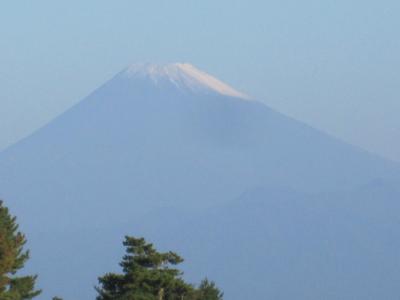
x=332, y=64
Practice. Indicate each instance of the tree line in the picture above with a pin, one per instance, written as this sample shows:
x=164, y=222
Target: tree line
x=147, y=274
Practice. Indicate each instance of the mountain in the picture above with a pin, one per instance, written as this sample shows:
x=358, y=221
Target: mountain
x=177, y=146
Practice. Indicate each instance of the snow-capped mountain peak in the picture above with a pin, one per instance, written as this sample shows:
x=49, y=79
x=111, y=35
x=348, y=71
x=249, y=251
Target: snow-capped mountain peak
x=183, y=76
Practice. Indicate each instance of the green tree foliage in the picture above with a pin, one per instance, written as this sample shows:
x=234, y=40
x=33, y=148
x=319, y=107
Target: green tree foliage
x=151, y=275
x=12, y=259
x=207, y=291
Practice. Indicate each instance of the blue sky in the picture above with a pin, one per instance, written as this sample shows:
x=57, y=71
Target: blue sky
x=333, y=64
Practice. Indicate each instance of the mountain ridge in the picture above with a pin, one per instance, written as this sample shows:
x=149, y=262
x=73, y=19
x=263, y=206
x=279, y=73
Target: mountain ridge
x=182, y=75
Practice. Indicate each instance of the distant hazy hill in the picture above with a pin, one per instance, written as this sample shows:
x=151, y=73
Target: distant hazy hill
x=280, y=244
x=172, y=144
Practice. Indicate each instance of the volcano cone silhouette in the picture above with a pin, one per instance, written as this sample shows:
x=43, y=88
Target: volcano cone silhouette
x=168, y=143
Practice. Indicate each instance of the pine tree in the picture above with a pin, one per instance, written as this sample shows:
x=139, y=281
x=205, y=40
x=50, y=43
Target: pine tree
x=147, y=275
x=208, y=291
x=12, y=259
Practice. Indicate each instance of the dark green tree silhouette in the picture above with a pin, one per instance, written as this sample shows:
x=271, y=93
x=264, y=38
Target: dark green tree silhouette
x=12, y=259
x=208, y=291
x=147, y=275
x=151, y=275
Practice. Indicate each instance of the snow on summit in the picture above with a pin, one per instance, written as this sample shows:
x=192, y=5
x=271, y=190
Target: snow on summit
x=183, y=76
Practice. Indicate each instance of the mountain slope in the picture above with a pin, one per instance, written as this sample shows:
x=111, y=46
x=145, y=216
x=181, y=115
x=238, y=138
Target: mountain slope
x=281, y=244
x=270, y=243
x=166, y=136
